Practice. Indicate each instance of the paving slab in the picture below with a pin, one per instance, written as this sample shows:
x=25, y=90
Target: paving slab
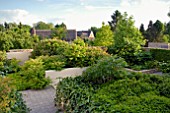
x=40, y=101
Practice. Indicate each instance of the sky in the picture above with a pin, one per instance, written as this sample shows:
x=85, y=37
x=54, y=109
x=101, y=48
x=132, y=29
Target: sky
x=82, y=14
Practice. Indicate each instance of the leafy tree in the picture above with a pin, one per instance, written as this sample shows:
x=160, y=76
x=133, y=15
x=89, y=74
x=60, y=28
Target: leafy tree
x=115, y=18
x=16, y=37
x=5, y=41
x=155, y=31
x=95, y=30
x=59, y=31
x=127, y=38
x=42, y=25
x=104, y=36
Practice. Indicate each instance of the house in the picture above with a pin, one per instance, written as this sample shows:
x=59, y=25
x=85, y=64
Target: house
x=86, y=35
x=70, y=34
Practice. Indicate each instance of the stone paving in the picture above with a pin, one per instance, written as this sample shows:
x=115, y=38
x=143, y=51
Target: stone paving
x=40, y=101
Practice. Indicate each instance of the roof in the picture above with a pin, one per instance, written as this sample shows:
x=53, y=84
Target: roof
x=70, y=35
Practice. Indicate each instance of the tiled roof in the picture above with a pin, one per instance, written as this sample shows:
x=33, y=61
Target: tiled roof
x=70, y=36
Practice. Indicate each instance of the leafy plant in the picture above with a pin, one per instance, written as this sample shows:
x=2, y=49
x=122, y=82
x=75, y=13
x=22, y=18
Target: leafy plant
x=49, y=47
x=31, y=76
x=106, y=87
x=10, y=100
x=56, y=62
x=164, y=66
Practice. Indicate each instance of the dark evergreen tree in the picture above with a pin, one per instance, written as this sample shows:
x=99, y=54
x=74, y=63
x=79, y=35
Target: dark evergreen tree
x=115, y=18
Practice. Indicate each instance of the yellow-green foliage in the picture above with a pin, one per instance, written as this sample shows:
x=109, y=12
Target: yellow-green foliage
x=10, y=100
x=31, y=76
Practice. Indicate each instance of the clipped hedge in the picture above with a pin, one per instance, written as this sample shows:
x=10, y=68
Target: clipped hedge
x=160, y=54
x=10, y=100
x=107, y=88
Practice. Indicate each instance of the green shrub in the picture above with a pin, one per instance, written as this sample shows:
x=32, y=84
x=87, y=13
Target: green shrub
x=107, y=88
x=79, y=42
x=56, y=62
x=106, y=69
x=164, y=66
x=79, y=56
x=74, y=94
x=10, y=100
x=31, y=76
x=160, y=54
x=76, y=55
x=49, y=47
x=8, y=65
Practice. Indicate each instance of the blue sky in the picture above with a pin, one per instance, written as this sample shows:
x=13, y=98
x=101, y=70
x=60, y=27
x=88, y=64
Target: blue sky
x=81, y=14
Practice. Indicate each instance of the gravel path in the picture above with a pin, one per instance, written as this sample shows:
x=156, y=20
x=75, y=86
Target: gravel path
x=40, y=101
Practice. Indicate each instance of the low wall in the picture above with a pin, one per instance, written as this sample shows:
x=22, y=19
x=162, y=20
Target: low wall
x=22, y=55
x=158, y=45
x=56, y=76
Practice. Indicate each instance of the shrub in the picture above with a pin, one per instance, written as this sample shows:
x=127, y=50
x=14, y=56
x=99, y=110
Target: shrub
x=8, y=65
x=56, y=62
x=31, y=76
x=164, y=66
x=49, y=47
x=107, y=87
x=160, y=54
x=74, y=94
x=79, y=56
x=10, y=100
x=79, y=41
x=76, y=55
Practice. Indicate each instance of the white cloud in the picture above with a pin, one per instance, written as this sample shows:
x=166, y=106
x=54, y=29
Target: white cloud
x=17, y=16
x=145, y=10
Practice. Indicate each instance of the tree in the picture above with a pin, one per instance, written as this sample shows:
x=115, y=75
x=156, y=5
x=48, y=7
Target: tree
x=104, y=36
x=16, y=37
x=59, y=31
x=127, y=38
x=155, y=31
x=43, y=26
x=115, y=18
x=95, y=30
x=142, y=30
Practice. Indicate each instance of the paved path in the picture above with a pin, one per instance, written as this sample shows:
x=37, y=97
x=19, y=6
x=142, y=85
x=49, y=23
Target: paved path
x=40, y=101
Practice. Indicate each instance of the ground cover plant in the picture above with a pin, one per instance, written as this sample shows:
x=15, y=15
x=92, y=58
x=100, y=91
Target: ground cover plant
x=106, y=87
x=10, y=99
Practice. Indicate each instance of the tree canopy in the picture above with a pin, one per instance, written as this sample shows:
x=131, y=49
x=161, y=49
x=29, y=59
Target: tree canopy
x=127, y=38
x=104, y=36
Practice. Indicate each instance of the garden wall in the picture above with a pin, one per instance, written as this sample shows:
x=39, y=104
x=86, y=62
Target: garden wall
x=159, y=45
x=56, y=76
x=20, y=54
